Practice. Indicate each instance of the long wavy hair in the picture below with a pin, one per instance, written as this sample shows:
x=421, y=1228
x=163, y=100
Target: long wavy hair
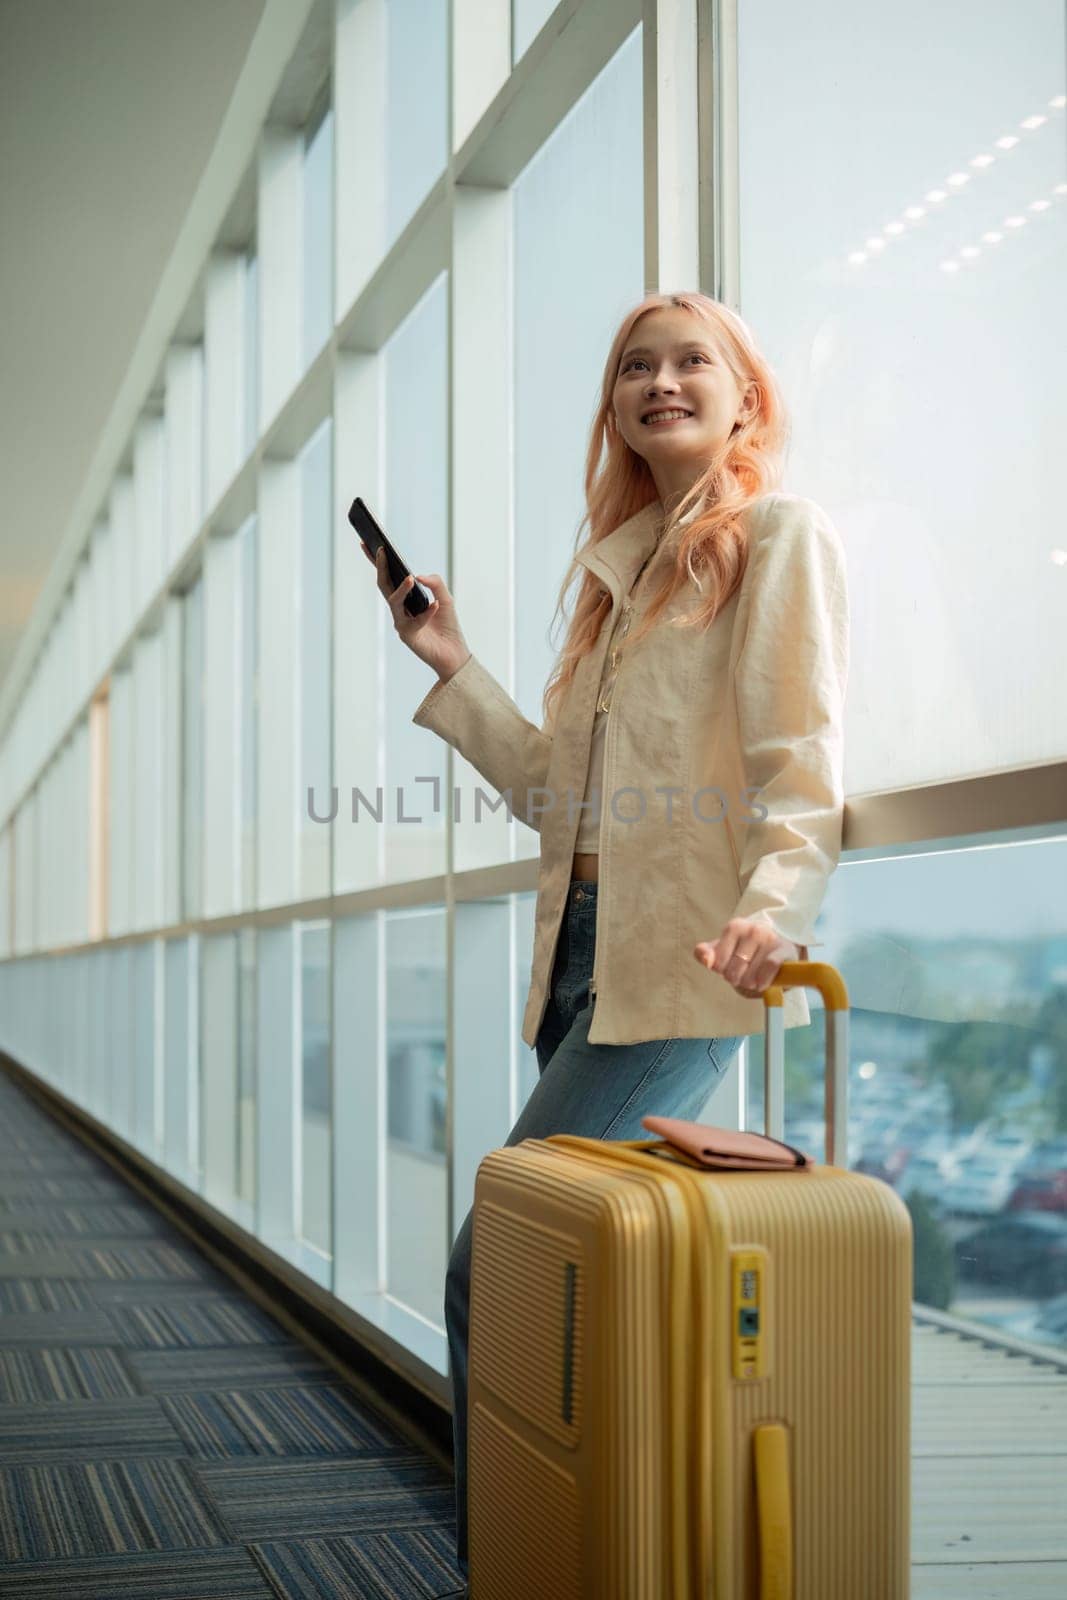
x=712, y=546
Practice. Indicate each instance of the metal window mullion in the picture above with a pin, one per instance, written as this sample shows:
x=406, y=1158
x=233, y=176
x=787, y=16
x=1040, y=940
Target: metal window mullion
x=718, y=145
x=671, y=144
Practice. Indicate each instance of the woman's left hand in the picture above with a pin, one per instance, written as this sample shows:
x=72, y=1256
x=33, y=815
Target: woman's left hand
x=747, y=954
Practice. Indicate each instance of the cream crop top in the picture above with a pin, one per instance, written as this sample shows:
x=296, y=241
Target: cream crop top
x=588, y=840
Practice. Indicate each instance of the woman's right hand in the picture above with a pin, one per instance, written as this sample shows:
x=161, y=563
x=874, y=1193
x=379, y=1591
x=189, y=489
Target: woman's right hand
x=435, y=635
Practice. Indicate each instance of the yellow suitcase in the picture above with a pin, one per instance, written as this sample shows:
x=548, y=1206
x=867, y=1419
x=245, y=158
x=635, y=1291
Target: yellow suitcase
x=689, y=1382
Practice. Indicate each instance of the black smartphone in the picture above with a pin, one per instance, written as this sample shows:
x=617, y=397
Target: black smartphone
x=418, y=599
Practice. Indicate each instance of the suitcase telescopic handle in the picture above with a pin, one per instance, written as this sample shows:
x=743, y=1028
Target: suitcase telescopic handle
x=831, y=985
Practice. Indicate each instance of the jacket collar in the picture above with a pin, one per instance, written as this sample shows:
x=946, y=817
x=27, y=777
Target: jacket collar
x=620, y=555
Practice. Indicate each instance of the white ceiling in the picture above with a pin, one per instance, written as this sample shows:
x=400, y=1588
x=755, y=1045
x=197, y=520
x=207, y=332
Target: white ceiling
x=109, y=110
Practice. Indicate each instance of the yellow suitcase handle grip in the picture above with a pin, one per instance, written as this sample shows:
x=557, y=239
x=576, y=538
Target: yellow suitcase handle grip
x=809, y=975
x=774, y=1509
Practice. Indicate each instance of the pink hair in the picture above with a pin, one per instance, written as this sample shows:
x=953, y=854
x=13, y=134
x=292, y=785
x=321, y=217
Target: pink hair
x=713, y=542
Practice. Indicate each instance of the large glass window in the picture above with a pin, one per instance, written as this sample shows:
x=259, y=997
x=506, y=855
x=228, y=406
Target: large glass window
x=45, y=863
x=181, y=1054
x=120, y=803
x=145, y=977
x=102, y=599
x=279, y=1121
x=222, y=733
x=316, y=1152
x=219, y=1067
x=120, y=1043
x=7, y=890
x=314, y=764
x=250, y=354
x=80, y=1029
x=122, y=560
x=956, y=966
x=416, y=410
x=98, y=1084
x=147, y=778
x=25, y=856
x=228, y=415
x=148, y=490
x=416, y=100
x=192, y=748
x=246, y=1068
x=249, y=709
x=318, y=234
x=417, y=1251
x=99, y=803
x=918, y=334
x=280, y=799
x=584, y=186
x=183, y=456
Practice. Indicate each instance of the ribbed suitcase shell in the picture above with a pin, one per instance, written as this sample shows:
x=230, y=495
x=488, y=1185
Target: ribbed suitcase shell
x=611, y=1444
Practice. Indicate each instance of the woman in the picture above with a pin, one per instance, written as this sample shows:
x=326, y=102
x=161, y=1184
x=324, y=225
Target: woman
x=687, y=780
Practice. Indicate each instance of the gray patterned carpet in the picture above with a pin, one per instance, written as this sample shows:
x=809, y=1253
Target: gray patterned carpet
x=160, y=1435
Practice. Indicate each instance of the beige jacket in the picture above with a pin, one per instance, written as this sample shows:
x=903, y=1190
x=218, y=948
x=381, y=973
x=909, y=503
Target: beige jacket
x=752, y=708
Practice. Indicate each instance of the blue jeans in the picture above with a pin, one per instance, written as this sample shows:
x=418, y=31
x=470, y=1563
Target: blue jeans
x=599, y=1091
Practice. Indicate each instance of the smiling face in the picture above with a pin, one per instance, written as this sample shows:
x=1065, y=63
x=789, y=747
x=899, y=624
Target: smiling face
x=671, y=363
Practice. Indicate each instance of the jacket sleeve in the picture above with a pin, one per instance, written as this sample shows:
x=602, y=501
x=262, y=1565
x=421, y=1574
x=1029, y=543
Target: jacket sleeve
x=473, y=714
x=790, y=684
